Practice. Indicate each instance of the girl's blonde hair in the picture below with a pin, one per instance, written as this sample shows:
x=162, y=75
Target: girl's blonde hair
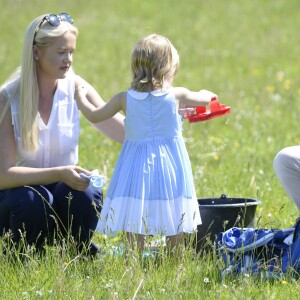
x=40, y=36
x=154, y=58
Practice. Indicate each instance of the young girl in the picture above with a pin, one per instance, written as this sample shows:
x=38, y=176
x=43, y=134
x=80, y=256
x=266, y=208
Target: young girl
x=152, y=190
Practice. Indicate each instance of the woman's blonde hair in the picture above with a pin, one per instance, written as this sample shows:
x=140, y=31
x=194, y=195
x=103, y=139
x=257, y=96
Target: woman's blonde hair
x=39, y=34
x=153, y=59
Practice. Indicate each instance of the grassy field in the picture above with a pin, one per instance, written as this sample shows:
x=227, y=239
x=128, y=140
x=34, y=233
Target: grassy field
x=246, y=52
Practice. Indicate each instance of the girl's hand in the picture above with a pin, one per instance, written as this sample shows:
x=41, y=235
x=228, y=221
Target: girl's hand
x=70, y=176
x=207, y=95
x=186, y=110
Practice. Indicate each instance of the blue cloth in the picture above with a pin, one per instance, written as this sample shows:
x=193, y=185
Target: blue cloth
x=96, y=181
x=152, y=189
x=259, y=251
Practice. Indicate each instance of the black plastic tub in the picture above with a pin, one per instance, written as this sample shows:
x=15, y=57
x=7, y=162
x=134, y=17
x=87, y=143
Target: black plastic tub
x=220, y=214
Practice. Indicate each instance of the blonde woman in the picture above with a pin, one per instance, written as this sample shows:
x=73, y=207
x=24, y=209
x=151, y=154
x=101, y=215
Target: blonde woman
x=39, y=131
x=151, y=191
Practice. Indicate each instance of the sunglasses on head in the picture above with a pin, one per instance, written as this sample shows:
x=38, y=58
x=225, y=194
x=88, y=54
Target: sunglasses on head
x=54, y=20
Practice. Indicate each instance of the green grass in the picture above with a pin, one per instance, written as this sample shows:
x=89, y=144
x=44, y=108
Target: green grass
x=245, y=51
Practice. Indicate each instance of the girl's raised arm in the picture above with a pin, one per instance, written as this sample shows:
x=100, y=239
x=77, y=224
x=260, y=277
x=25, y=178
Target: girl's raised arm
x=191, y=98
x=98, y=114
x=114, y=127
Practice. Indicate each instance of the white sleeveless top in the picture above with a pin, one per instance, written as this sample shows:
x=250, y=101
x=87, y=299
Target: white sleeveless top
x=58, y=140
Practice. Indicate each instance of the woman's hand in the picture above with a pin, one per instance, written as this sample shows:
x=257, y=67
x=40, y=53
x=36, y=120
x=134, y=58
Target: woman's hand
x=70, y=176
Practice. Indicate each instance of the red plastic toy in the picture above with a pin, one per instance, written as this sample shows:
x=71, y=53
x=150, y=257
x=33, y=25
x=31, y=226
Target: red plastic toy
x=201, y=114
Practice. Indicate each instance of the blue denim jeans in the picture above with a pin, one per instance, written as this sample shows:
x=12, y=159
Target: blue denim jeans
x=40, y=213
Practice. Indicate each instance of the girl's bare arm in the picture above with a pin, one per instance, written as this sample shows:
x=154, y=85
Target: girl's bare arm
x=190, y=98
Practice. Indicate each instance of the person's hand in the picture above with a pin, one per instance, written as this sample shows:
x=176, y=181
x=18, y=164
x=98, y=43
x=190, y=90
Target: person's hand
x=70, y=176
x=207, y=95
x=186, y=110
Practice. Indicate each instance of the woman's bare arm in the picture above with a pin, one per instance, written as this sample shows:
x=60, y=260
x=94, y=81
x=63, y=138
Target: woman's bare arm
x=12, y=176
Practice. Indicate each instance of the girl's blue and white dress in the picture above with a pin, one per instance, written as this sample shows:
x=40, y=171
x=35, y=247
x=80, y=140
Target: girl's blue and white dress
x=151, y=191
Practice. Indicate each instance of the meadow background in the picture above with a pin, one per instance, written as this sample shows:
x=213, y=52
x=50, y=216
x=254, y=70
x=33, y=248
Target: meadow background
x=245, y=51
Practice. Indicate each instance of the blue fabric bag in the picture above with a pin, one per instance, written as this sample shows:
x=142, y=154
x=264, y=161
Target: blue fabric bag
x=259, y=251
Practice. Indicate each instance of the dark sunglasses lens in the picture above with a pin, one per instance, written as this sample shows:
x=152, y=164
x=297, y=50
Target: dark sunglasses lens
x=66, y=17
x=53, y=20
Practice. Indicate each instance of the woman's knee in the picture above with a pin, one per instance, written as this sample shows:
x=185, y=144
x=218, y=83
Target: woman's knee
x=287, y=160
x=279, y=160
x=64, y=194
x=29, y=197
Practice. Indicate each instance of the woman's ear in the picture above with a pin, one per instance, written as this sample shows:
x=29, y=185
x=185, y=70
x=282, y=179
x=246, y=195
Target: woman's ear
x=35, y=52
